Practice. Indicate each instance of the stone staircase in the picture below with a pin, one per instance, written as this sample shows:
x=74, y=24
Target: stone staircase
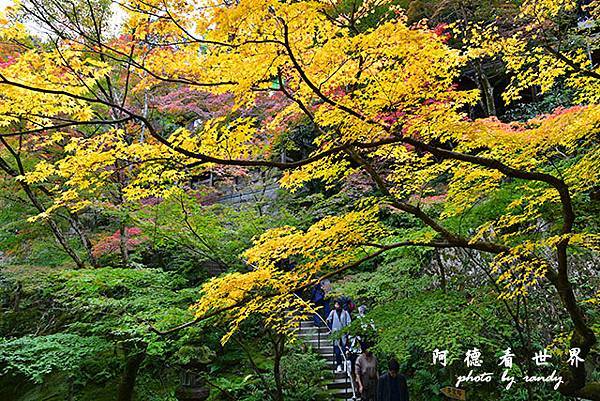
x=317, y=338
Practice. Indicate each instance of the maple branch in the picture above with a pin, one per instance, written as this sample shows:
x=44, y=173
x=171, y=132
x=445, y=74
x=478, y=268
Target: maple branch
x=299, y=102
x=287, y=165
x=196, y=155
x=37, y=203
x=202, y=240
x=310, y=283
x=194, y=39
x=452, y=238
x=310, y=84
x=558, y=184
x=47, y=19
x=561, y=187
x=66, y=125
x=434, y=244
x=571, y=63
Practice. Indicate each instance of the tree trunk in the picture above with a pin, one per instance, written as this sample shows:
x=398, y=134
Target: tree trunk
x=56, y=231
x=576, y=383
x=85, y=240
x=443, y=281
x=487, y=91
x=129, y=375
x=17, y=299
x=58, y=234
x=278, y=346
x=123, y=244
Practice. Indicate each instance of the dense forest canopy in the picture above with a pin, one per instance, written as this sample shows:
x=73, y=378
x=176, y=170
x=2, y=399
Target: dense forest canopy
x=176, y=176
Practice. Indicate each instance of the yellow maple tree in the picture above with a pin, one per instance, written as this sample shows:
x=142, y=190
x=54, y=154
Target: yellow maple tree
x=381, y=102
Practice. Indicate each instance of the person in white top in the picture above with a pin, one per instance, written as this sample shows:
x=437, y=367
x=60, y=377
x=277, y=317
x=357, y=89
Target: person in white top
x=337, y=320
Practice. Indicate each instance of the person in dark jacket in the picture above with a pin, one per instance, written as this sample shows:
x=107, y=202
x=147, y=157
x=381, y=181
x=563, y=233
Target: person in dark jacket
x=392, y=385
x=318, y=298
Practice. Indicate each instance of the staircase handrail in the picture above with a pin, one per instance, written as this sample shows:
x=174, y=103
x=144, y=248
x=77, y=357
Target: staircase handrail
x=329, y=331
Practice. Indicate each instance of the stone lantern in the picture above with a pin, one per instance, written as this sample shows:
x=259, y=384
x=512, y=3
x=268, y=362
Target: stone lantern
x=193, y=361
x=191, y=387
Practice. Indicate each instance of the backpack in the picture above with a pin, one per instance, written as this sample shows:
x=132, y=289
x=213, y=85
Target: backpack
x=347, y=304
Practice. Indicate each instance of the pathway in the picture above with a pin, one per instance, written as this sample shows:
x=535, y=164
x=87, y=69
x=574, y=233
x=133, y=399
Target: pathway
x=318, y=339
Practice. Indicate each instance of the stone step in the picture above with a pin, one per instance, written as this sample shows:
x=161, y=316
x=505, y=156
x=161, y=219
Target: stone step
x=343, y=382
x=342, y=393
x=340, y=375
x=305, y=330
x=330, y=365
x=325, y=349
x=316, y=342
x=312, y=329
x=313, y=337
